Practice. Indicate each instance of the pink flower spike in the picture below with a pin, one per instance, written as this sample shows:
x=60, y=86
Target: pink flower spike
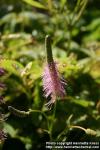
x=53, y=83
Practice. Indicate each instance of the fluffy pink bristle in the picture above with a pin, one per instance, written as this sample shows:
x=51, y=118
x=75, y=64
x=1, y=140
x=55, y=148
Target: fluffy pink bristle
x=53, y=85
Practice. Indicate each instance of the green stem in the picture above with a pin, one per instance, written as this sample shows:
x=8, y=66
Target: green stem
x=75, y=11
x=62, y=133
x=77, y=6
x=78, y=127
x=81, y=11
x=52, y=121
x=69, y=41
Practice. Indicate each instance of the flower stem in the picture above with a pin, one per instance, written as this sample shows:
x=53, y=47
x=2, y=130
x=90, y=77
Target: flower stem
x=78, y=127
x=52, y=121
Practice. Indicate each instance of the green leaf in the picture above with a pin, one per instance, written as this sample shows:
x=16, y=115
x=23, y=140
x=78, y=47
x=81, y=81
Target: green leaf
x=83, y=103
x=10, y=130
x=33, y=69
x=63, y=3
x=11, y=66
x=35, y=4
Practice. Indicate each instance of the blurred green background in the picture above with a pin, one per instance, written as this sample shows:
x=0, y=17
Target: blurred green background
x=74, y=26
